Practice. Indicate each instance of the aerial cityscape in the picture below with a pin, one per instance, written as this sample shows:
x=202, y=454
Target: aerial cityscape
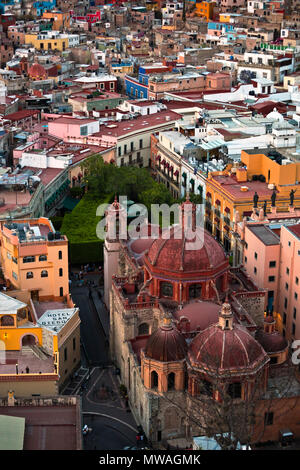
x=149, y=226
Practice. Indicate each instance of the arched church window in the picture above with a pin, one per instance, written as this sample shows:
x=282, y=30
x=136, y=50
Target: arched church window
x=154, y=379
x=171, y=381
x=194, y=291
x=234, y=390
x=206, y=388
x=143, y=329
x=166, y=289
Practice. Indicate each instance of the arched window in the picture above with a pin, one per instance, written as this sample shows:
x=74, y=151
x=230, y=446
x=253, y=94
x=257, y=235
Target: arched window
x=44, y=273
x=171, y=381
x=143, y=329
x=166, y=289
x=60, y=272
x=206, y=388
x=43, y=258
x=60, y=254
x=194, y=291
x=61, y=291
x=7, y=320
x=154, y=379
x=234, y=390
x=29, y=275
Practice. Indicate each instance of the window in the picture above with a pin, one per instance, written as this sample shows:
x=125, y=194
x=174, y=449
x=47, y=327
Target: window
x=255, y=255
x=125, y=148
x=74, y=344
x=293, y=329
x=119, y=151
x=285, y=302
x=83, y=130
x=166, y=289
x=194, y=291
x=289, y=243
x=286, y=286
x=296, y=295
x=42, y=258
x=14, y=275
x=29, y=275
x=60, y=272
x=271, y=278
x=272, y=264
x=206, y=388
x=29, y=259
x=255, y=270
x=294, y=313
x=65, y=354
x=141, y=143
x=269, y=418
x=284, y=319
x=143, y=329
x=245, y=259
x=154, y=379
x=287, y=271
x=44, y=273
x=171, y=381
x=60, y=254
x=297, y=280
x=235, y=390
x=273, y=360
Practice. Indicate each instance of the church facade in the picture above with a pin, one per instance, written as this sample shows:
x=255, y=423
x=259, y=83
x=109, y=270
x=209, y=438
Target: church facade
x=187, y=331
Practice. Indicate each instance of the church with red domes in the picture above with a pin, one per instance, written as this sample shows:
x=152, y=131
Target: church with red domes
x=185, y=325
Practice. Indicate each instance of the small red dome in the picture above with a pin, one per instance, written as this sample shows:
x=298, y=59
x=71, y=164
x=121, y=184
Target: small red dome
x=166, y=344
x=219, y=349
x=175, y=254
x=271, y=342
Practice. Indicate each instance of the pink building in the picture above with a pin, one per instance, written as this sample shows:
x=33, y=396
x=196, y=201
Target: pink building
x=272, y=261
x=70, y=128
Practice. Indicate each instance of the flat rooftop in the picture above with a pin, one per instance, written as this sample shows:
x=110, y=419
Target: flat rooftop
x=264, y=234
x=47, y=427
x=26, y=359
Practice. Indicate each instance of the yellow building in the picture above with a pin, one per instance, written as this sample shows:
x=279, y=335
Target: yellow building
x=34, y=258
x=229, y=194
x=46, y=42
x=39, y=345
x=205, y=9
x=60, y=20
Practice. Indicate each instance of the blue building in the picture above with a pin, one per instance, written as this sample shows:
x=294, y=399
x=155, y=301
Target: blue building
x=43, y=6
x=137, y=87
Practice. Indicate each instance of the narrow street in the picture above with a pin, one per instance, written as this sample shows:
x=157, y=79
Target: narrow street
x=112, y=426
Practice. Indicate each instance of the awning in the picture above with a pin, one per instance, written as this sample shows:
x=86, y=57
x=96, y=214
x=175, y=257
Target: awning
x=184, y=174
x=158, y=157
x=167, y=165
x=226, y=228
x=163, y=162
x=213, y=144
x=176, y=173
x=208, y=194
x=227, y=210
x=217, y=202
x=217, y=219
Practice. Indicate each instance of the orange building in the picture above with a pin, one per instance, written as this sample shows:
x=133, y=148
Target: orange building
x=34, y=258
x=60, y=20
x=231, y=192
x=205, y=9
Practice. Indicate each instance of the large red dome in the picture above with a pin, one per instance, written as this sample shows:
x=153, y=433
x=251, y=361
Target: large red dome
x=166, y=344
x=222, y=349
x=174, y=254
